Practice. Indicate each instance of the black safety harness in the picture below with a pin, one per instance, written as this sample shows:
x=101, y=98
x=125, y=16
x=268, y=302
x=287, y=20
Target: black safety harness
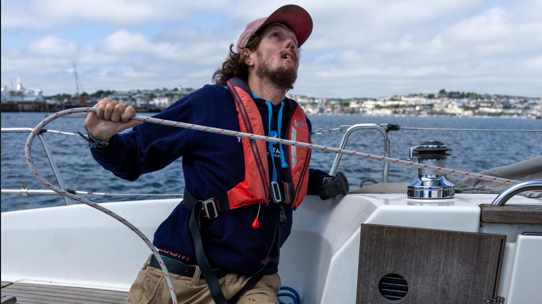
x=210, y=209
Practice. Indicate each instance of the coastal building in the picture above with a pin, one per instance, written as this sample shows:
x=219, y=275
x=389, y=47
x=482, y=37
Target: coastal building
x=422, y=104
x=21, y=95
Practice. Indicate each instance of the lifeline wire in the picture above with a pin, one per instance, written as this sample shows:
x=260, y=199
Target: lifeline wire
x=39, y=127
x=26, y=192
x=480, y=130
x=345, y=127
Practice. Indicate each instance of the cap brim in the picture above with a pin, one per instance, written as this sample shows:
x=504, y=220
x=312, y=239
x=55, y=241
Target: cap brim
x=295, y=17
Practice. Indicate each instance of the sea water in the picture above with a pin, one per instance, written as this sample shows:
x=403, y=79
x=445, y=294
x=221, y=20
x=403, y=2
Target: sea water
x=472, y=151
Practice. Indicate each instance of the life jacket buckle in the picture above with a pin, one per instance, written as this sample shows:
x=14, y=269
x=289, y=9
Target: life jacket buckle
x=205, y=207
x=277, y=196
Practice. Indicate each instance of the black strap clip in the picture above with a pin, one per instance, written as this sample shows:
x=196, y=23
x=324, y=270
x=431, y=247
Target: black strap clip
x=210, y=213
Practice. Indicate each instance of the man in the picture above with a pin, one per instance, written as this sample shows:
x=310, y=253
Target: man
x=240, y=193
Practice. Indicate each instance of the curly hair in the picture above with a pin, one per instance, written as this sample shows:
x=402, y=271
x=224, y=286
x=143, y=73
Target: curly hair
x=235, y=65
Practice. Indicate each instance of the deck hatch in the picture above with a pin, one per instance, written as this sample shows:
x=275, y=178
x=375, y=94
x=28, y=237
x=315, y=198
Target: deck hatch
x=439, y=266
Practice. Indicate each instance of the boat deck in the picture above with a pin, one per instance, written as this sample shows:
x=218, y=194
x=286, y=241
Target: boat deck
x=45, y=294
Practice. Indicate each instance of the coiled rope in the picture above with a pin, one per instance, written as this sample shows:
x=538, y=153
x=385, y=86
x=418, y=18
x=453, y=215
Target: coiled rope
x=40, y=126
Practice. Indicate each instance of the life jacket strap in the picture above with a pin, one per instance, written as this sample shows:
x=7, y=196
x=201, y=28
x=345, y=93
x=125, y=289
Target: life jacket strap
x=211, y=208
x=195, y=206
x=284, y=192
x=287, y=194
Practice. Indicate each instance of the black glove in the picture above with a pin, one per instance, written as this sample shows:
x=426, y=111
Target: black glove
x=333, y=186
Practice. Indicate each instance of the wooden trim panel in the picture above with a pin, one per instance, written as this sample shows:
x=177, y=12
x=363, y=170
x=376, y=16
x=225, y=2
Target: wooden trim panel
x=444, y=267
x=524, y=214
x=51, y=294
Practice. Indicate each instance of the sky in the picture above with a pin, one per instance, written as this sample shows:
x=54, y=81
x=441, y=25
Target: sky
x=358, y=48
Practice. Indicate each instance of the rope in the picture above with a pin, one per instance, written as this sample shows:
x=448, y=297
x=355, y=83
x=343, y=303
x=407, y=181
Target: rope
x=38, y=176
x=293, y=295
x=27, y=151
x=318, y=147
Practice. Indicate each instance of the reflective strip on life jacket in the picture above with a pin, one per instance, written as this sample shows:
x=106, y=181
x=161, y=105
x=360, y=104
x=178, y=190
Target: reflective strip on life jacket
x=300, y=157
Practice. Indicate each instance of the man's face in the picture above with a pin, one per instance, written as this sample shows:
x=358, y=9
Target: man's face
x=277, y=56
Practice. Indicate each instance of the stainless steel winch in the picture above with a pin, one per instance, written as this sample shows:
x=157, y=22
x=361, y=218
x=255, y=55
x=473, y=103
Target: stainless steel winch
x=430, y=184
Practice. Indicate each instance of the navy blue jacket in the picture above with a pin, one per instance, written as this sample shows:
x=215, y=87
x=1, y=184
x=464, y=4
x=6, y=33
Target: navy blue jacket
x=212, y=164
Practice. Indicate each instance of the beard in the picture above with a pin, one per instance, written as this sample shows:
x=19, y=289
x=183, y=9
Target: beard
x=282, y=78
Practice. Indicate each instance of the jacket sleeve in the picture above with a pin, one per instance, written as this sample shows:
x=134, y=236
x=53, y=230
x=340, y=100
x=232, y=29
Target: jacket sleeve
x=316, y=176
x=148, y=147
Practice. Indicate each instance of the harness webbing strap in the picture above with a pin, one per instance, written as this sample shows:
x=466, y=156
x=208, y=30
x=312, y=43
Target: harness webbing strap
x=214, y=207
x=210, y=276
x=207, y=271
x=269, y=262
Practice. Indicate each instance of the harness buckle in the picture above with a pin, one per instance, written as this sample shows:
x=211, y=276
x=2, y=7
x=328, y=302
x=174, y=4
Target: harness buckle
x=206, y=208
x=277, y=196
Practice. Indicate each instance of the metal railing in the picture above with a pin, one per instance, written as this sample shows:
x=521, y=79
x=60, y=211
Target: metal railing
x=47, y=152
x=364, y=127
x=509, y=192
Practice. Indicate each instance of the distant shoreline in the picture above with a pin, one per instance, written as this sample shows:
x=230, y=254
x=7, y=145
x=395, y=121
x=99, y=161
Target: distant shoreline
x=145, y=111
x=11, y=107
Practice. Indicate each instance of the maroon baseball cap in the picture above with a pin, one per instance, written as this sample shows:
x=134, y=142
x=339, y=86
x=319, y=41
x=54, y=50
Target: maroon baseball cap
x=292, y=15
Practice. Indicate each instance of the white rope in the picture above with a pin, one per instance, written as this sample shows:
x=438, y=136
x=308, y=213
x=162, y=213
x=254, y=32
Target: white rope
x=323, y=148
x=40, y=126
x=27, y=150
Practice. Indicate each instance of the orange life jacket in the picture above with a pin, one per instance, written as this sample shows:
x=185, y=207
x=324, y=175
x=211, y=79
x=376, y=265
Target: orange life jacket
x=256, y=188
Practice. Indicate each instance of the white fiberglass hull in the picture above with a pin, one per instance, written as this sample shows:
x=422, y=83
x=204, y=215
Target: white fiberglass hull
x=79, y=246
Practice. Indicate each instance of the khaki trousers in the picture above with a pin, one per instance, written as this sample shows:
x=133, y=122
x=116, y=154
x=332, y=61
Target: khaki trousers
x=150, y=287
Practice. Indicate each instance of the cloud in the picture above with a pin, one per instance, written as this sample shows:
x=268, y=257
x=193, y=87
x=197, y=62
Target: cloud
x=50, y=14
x=357, y=48
x=193, y=51
x=52, y=46
x=124, y=42
x=443, y=45
x=122, y=61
